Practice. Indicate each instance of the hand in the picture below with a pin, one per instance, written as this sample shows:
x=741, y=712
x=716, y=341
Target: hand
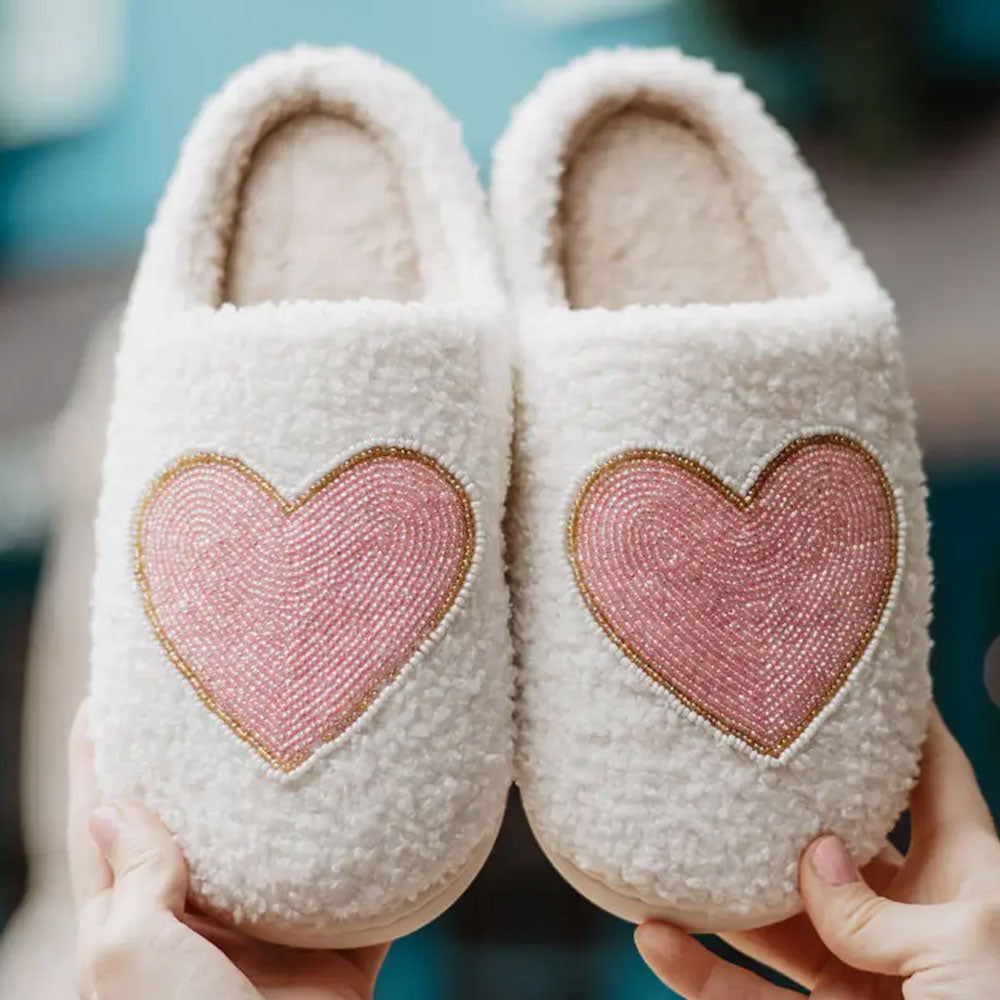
x=923, y=927
x=138, y=938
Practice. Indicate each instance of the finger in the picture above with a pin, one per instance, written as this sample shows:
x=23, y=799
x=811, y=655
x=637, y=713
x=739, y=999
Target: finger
x=145, y=860
x=691, y=970
x=793, y=947
x=270, y=966
x=840, y=982
x=368, y=961
x=226, y=939
x=89, y=872
x=947, y=794
x=270, y=962
x=883, y=869
x=861, y=928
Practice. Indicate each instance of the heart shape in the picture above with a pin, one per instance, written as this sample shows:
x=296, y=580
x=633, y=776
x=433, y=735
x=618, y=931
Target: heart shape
x=752, y=607
x=289, y=617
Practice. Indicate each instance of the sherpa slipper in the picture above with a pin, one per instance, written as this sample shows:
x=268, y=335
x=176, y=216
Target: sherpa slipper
x=300, y=647
x=720, y=581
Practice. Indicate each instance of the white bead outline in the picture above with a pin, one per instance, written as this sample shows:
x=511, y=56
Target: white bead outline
x=862, y=662
x=459, y=602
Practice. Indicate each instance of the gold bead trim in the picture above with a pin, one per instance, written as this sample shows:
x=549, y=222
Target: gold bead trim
x=743, y=500
x=289, y=506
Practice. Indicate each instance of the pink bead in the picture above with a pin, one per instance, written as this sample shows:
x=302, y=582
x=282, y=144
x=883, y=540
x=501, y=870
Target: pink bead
x=752, y=610
x=289, y=617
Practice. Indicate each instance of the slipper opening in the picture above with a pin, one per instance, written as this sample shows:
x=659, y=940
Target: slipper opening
x=656, y=208
x=322, y=213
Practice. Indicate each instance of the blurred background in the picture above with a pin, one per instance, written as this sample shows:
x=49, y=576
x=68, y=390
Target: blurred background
x=897, y=105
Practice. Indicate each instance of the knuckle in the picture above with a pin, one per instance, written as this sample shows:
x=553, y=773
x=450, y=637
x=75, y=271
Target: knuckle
x=980, y=923
x=144, y=860
x=109, y=957
x=860, y=914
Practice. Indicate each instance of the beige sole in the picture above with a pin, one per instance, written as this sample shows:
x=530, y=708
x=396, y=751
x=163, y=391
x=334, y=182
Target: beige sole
x=360, y=934
x=636, y=910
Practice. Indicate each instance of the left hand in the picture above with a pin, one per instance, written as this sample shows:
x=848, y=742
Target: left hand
x=139, y=938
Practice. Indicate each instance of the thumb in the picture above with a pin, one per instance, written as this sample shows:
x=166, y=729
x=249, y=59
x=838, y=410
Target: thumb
x=861, y=928
x=146, y=862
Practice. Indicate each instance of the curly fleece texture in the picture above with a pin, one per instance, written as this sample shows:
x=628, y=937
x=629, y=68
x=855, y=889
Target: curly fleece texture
x=615, y=780
x=393, y=809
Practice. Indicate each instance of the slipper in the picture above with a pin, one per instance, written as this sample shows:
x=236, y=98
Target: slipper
x=300, y=647
x=717, y=526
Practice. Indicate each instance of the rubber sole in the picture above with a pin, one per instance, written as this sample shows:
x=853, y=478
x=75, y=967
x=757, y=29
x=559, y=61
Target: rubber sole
x=360, y=934
x=636, y=910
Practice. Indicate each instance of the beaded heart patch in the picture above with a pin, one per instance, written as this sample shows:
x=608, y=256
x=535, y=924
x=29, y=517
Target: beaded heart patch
x=754, y=606
x=288, y=617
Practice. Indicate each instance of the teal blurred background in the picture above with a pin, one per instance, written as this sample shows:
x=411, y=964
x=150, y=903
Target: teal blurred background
x=897, y=105
x=93, y=193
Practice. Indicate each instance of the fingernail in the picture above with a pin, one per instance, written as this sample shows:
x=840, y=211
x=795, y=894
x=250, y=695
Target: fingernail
x=642, y=934
x=105, y=825
x=831, y=862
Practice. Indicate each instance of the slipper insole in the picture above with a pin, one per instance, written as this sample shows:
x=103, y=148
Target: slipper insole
x=322, y=215
x=651, y=215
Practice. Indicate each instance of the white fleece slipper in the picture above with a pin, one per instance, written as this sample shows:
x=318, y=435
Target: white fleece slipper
x=300, y=647
x=720, y=580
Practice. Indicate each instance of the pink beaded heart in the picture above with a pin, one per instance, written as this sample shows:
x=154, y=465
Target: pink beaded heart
x=289, y=617
x=752, y=608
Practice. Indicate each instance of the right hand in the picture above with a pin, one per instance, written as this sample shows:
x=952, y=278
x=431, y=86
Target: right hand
x=923, y=927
